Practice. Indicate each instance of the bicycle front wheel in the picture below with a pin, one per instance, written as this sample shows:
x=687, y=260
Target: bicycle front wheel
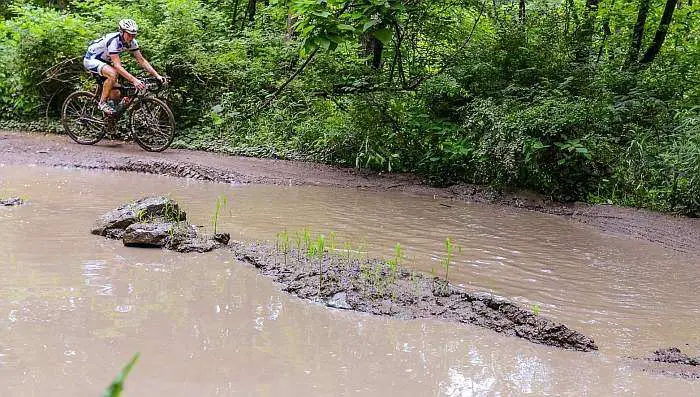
x=82, y=120
x=152, y=125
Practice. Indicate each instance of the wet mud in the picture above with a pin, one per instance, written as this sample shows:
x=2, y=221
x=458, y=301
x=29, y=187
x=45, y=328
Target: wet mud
x=670, y=362
x=676, y=233
x=387, y=289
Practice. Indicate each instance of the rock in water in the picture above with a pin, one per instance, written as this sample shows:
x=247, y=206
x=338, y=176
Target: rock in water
x=339, y=301
x=222, y=238
x=113, y=223
x=675, y=356
x=156, y=222
x=147, y=234
x=12, y=201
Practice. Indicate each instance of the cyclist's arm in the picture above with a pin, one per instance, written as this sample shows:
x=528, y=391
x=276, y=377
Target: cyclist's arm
x=117, y=64
x=146, y=65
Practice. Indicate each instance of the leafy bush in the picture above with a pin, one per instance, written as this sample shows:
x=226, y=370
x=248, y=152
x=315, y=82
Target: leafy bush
x=452, y=91
x=37, y=39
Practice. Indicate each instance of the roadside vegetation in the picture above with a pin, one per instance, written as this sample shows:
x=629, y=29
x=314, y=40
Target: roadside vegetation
x=597, y=101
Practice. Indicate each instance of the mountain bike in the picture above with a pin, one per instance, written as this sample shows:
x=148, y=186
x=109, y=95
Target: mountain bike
x=152, y=124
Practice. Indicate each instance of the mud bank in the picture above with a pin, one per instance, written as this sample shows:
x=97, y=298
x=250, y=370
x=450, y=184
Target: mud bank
x=670, y=362
x=676, y=233
x=341, y=281
x=387, y=289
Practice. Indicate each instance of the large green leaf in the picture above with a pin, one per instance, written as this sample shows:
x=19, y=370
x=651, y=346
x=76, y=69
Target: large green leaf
x=384, y=35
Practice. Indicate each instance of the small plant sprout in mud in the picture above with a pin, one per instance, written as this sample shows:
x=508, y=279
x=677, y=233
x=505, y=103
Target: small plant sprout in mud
x=299, y=240
x=449, y=248
x=221, y=204
x=117, y=386
x=378, y=279
x=331, y=241
x=366, y=274
x=283, y=244
x=320, y=245
x=414, y=281
x=395, y=262
x=320, y=248
x=141, y=216
x=307, y=240
x=347, y=247
x=171, y=212
x=536, y=309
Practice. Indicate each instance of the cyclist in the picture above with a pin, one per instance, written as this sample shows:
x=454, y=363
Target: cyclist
x=102, y=59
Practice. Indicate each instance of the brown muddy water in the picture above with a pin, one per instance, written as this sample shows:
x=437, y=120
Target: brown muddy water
x=74, y=307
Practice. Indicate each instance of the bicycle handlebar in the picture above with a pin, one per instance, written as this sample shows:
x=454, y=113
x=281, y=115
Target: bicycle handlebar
x=151, y=83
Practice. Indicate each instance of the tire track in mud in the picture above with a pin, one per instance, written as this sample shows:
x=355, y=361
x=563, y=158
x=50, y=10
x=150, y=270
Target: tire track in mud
x=181, y=170
x=680, y=234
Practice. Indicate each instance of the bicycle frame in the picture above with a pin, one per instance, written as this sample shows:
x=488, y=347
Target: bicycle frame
x=128, y=88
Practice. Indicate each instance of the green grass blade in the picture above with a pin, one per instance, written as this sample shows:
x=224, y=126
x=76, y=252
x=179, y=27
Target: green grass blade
x=117, y=386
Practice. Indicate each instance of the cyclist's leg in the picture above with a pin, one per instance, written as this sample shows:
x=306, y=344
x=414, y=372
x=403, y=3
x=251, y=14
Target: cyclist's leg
x=97, y=68
x=111, y=75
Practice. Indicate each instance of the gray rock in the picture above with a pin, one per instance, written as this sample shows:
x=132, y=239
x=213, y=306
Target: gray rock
x=113, y=223
x=339, y=301
x=222, y=238
x=8, y=202
x=196, y=244
x=156, y=222
x=147, y=234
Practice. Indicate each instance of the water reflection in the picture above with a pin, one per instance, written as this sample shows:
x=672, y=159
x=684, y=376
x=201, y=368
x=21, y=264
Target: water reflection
x=459, y=385
x=75, y=307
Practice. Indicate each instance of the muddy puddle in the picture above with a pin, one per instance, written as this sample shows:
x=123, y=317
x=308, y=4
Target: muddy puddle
x=74, y=307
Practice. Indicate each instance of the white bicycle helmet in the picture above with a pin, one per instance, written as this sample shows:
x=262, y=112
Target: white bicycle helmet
x=129, y=26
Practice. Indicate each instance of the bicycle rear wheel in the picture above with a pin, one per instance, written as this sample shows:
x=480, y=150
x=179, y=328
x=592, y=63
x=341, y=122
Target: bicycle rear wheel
x=152, y=125
x=82, y=120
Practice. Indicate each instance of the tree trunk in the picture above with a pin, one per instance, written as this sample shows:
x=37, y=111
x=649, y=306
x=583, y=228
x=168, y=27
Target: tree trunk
x=235, y=14
x=521, y=11
x=374, y=47
x=377, y=49
x=585, y=34
x=252, y=4
x=399, y=57
x=291, y=21
x=249, y=13
x=661, y=32
x=638, y=32
x=606, y=33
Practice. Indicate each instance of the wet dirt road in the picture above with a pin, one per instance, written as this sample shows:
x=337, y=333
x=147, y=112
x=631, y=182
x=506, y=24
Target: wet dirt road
x=677, y=233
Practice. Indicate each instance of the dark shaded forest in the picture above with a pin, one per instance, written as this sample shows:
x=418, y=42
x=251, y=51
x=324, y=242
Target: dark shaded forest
x=596, y=101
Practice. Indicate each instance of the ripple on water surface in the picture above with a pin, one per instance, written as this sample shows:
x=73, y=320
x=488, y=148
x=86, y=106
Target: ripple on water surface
x=74, y=307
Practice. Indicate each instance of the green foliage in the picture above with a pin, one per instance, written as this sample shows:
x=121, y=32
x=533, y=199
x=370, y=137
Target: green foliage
x=447, y=260
x=117, y=386
x=221, y=204
x=34, y=40
x=453, y=91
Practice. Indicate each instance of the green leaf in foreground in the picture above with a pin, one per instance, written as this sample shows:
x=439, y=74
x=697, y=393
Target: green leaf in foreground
x=117, y=386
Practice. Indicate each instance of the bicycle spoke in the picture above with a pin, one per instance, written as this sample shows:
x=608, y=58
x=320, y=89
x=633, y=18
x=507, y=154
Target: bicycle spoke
x=152, y=124
x=82, y=120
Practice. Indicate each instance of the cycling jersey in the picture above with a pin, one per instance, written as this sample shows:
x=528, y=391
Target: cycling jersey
x=110, y=44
